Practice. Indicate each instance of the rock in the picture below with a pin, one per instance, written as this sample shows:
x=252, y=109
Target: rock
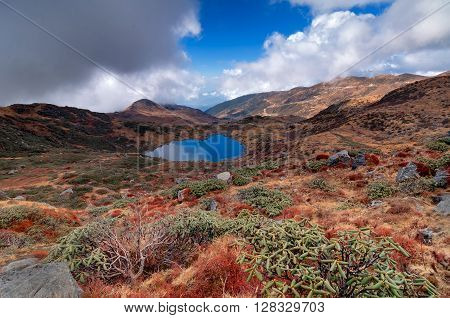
x=438, y=198
x=52, y=280
x=443, y=206
x=441, y=178
x=406, y=173
x=426, y=235
x=180, y=180
x=20, y=264
x=224, y=176
x=20, y=198
x=376, y=203
x=212, y=205
x=67, y=192
x=359, y=161
x=10, y=172
x=339, y=157
x=182, y=194
x=3, y=195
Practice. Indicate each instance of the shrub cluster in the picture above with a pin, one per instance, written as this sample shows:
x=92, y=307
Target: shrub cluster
x=320, y=183
x=295, y=259
x=315, y=165
x=244, y=175
x=379, y=190
x=438, y=145
x=199, y=188
x=272, y=202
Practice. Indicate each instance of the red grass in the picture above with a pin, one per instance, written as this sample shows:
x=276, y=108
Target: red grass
x=402, y=154
x=218, y=274
x=356, y=176
x=322, y=156
x=382, y=231
x=40, y=254
x=115, y=213
x=290, y=213
x=372, y=160
x=22, y=226
x=422, y=169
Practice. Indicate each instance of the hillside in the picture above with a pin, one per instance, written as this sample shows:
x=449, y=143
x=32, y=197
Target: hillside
x=308, y=101
x=147, y=111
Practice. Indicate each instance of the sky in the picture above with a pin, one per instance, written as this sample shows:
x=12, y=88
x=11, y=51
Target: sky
x=104, y=54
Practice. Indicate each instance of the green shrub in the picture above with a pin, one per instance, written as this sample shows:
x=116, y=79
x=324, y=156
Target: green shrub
x=199, y=188
x=379, y=189
x=272, y=202
x=248, y=172
x=315, y=165
x=123, y=203
x=320, y=183
x=417, y=186
x=295, y=259
x=347, y=205
x=445, y=140
x=240, y=180
x=17, y=213
x=438, y=146
x=80, y=250
x=97, y=211
x=435, y=164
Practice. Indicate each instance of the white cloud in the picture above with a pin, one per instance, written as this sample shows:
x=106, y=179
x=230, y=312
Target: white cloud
x=336, y=41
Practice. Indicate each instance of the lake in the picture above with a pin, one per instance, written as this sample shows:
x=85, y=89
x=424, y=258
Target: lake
x=215, y=148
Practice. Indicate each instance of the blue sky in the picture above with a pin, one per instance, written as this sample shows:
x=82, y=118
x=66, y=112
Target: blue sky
x=236, y=30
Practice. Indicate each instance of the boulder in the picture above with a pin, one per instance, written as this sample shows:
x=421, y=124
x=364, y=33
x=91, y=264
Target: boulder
x=224, y=176
x=407, y=173
x=20, y=198
x=180, y=180
x=11, y=172
x=20, y=264
x=3, y=195
x=182, y=194
x=67, y=192
x=426, y=236
x=339, y=157
x=376, y=203
x=212, y=205
x=441, y=178
x=360, y=160
x=438, y=198
x=52, y=280
x=443, y=206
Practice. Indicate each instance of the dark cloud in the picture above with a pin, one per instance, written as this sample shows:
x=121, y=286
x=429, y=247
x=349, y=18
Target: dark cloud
x=123, y=36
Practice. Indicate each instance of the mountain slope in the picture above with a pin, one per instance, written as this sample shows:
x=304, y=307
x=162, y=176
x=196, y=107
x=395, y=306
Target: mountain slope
x=309, y=101
x=147, y=111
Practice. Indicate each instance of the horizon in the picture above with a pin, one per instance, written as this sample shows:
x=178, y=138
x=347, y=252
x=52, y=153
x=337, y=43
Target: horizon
x=195, y=53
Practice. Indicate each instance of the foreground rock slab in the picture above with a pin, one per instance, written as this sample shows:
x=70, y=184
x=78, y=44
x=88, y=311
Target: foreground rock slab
x=52, y=280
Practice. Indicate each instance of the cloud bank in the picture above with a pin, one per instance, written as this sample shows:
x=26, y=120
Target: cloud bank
x=135, y=39
x=337, y=40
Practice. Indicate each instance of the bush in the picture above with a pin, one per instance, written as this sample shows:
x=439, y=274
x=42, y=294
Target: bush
x=199, y=188
x=123, y=203
x=97, y=211
x=240, y=180
x=272, y=202
x=438, y=146
x=315, y=165
x=378, y=190
x=295, y=259
x=417, y=186
x=320, y=183
x=435, y=164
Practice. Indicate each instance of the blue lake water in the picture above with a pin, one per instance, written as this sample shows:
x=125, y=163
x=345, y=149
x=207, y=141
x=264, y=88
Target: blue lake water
x=215, y=148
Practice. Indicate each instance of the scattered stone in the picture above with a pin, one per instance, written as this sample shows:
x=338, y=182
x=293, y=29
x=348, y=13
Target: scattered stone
x=180, y=180
x=426, y=236
x=20, y=198
x=406, y=173
x=3, y=195
x=67, y=192
x=20, y=264
x=182, y=194
x=376, y=203
x=441, y=178
x=14, y=171
x=52, y=280
x=212, y=205
x=224, y=176
x=443, y=206
x=359, y=161
x=339, y=157
x=438, y=198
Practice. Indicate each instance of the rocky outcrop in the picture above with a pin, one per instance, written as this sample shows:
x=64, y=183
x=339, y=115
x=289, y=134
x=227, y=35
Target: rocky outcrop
x=408, y=172
x=340, y=157
x=52, y=280
x=224, y=176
